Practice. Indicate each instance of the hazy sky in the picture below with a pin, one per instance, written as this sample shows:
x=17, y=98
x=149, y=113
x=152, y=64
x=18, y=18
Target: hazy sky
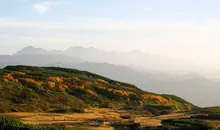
x=187, y=29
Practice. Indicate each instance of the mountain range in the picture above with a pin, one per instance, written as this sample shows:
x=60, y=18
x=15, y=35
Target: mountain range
x=131, y=58
x=153, y=73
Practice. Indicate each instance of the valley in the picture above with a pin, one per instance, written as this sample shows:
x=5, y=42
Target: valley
x=72, y=99
x=96, y=118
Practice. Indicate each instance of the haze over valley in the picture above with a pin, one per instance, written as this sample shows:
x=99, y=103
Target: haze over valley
x=154, y=73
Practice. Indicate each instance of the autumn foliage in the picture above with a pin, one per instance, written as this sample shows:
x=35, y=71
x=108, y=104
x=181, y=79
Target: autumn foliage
x=153, y=96
x=29, y=80
x=189, y=107
x=121, y=92
x=56, y=79
x=48, y=83
x=63, y=87
x=90, y=92
x=82, y=85
x=10, y=77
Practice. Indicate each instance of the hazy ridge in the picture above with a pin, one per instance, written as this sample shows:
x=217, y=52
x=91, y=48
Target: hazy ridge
x=152, y=76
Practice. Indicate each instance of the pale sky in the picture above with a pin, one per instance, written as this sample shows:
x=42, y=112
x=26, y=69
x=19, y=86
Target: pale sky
x=186, y=29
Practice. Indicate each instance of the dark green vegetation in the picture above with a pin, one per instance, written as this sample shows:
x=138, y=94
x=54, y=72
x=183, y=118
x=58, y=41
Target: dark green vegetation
x=170, y=124
x=182, y=124
x=210, y=110
x=26, y=88
x=209, y=113
x=13, y=124
x=130, y=126
x=68, y=110
x=213, y=116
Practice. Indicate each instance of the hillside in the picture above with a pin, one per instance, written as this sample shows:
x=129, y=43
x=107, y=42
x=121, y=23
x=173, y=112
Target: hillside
x=25, y=88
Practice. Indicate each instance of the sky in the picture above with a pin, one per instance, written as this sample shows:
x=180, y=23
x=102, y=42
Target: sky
x=186, y=29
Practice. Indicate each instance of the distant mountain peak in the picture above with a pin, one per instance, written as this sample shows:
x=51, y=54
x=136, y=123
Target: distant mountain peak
x=29, y=47
x=30, y=50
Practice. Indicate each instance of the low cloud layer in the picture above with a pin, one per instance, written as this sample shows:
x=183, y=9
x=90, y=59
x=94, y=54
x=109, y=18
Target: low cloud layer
x=195, y=42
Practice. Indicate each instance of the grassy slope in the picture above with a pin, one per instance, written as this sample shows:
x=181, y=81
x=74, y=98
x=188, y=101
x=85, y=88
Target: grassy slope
x=26, y=88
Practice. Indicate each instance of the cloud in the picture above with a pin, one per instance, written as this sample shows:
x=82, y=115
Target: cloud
x=19, y=24
x=198, y=42
x=45, y=6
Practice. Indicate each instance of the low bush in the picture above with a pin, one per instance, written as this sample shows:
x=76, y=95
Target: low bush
x=182, y=124
x=13, y=124
x=209, y=116
x=188, y=124
x=69, y=110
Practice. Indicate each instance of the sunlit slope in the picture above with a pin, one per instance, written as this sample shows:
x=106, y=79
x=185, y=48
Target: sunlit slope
x=26, y=88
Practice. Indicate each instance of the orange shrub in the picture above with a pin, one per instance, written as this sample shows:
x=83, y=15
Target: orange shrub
x=16, y=80
x=75, y=78
x=87, y=83
x=9, y=77
x=96, y=83
x=56, y=79
x=29, y=80
x=48, y=83
x=63, y=87
x=153, y=96
x=90, y=92
x=51, y=84
x=188, y=107
x=121, y=92
x=63, y=78
x=100, y=87
x=77, y=87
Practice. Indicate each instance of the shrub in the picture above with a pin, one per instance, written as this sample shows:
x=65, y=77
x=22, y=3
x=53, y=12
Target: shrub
x=128, y=107
x=13, y=124
x=188, y=124
x=134, y=97
x=211, y=116
x=69, y=110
